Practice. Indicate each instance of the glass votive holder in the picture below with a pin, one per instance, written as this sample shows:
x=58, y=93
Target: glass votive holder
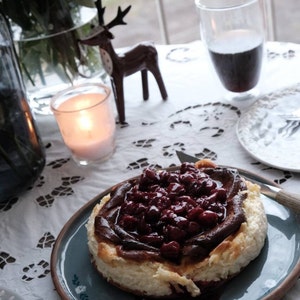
x=86, y=121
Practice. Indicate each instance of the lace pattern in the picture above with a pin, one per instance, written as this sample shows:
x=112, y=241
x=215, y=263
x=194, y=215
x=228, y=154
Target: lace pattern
x=194, y=119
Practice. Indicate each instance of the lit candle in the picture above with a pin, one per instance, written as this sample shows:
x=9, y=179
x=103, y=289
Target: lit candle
x=86, y=123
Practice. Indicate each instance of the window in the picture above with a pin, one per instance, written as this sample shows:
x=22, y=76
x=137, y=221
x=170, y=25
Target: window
x=181, y=20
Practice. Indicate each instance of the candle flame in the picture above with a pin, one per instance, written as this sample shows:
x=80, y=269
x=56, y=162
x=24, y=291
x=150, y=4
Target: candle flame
x=85, y=122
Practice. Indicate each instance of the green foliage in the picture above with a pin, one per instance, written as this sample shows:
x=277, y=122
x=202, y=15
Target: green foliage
x=48, y=37
x=42, y=16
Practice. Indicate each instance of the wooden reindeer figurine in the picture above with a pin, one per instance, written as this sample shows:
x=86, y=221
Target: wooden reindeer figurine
x=142, y=57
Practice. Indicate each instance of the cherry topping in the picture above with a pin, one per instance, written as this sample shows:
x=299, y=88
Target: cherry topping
x=172, y=206
x=128, y=222
x=152, y=214
x=208, y=218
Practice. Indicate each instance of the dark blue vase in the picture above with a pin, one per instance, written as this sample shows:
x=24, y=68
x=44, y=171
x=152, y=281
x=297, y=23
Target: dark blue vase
x=22, y=156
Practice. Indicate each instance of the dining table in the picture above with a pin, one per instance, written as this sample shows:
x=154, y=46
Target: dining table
x=197, y=118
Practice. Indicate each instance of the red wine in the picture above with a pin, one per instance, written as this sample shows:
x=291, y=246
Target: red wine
x=237, y=58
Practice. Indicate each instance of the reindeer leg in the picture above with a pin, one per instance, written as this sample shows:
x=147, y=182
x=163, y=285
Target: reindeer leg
x=117, y=84
x=145, y=84
x=154, y=69
x=113, y=86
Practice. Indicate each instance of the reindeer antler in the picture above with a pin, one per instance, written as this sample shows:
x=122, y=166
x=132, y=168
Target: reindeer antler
x=101, y=11
x=118, y=20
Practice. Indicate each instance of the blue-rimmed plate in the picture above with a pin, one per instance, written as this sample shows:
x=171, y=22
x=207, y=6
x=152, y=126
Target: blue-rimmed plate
x=268, y=277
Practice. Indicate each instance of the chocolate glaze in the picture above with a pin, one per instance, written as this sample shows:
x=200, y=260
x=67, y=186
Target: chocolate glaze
x=196, y=247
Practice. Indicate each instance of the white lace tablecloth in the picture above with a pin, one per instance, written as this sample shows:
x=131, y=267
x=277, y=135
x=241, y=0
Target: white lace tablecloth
x=195, y=119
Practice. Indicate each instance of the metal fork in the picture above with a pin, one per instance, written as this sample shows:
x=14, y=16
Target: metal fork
x=289, y=128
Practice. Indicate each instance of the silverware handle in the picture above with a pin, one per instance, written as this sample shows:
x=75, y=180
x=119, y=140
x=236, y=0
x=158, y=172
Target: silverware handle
x=289, y=200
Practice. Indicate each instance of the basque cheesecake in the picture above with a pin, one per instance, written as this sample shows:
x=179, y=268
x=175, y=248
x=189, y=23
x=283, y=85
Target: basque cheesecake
x=185, y=232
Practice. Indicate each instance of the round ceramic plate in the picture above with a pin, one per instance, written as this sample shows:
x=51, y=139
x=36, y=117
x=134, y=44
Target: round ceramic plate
x=268, y=277
x=270, y=129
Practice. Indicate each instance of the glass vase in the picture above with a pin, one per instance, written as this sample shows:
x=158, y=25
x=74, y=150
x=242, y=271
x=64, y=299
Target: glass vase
x=51, y=58
x=22, y=156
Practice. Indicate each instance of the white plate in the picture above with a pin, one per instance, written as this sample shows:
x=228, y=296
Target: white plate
x=268, y=132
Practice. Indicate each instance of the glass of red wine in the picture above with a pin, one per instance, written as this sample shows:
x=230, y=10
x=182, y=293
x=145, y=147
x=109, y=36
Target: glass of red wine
x=233, y=32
